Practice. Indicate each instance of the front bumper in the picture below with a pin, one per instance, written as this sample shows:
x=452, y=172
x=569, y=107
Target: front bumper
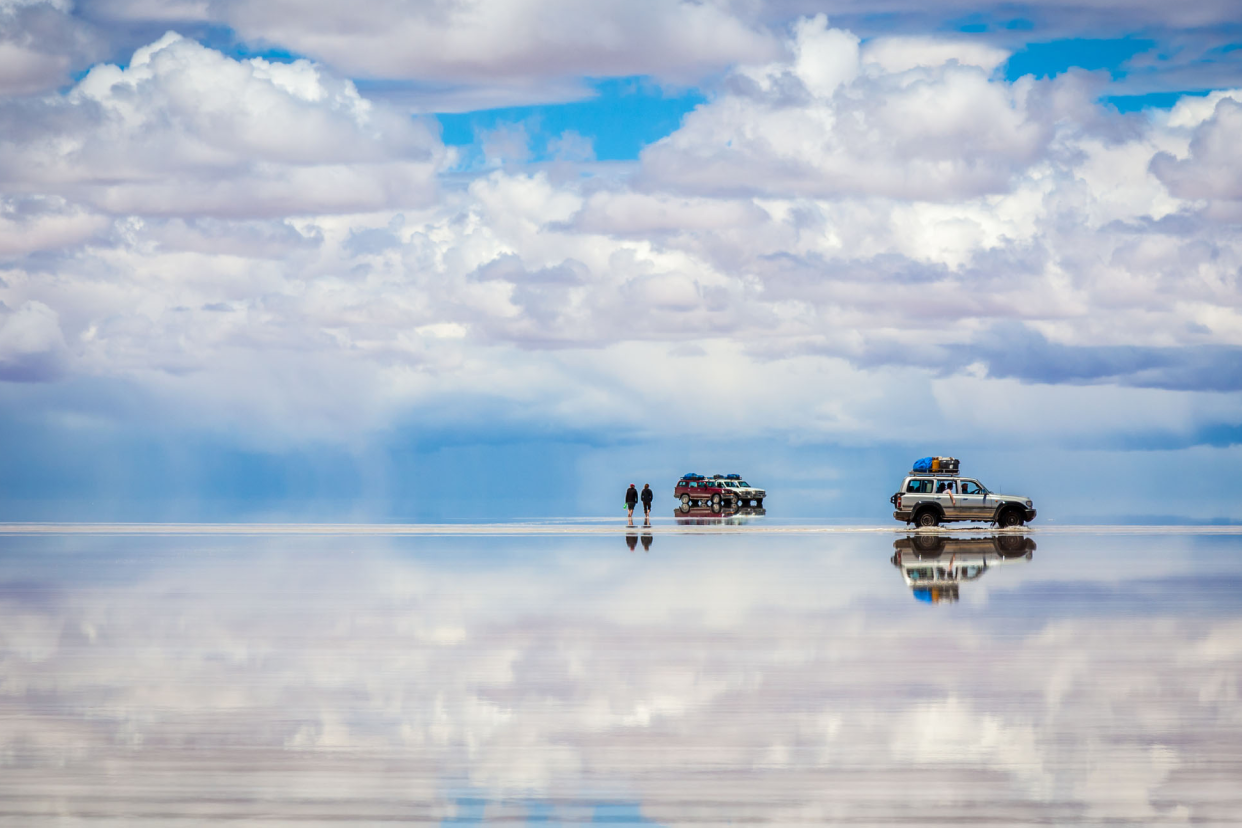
x=1030, y=514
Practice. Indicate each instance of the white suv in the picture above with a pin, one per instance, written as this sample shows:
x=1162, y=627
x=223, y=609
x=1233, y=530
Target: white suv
x=930, y=499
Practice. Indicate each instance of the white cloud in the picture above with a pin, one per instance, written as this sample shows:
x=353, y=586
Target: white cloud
x=32, y=346
x=1212, y=168
x=901, y=54
x=186, y=130
x=818, y=125
x=508, y=40
x=39, y=43
x=258, y=244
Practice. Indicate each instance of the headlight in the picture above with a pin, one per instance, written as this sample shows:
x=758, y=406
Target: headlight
x=1028, y=504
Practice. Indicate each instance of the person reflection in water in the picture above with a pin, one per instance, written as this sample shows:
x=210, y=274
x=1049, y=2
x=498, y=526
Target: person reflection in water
x=631, y=500
x=631, y=540
x=646, y=542
x=647, y=497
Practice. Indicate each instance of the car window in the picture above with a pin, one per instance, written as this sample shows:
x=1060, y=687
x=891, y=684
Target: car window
x=970, y=487
x=919, y=486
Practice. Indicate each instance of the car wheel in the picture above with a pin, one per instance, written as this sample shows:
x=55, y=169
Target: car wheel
x=685, y=507
x=716, y=502
x=1010, y=518
x=927, y=518
x=758, y=504
x=685, y=501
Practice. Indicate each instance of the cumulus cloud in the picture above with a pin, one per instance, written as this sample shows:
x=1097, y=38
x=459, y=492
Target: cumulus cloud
x=186, y=130
x=39, y=43
x=823, y=123
x=258, y=243
x=1212, y=169
x=32, y=347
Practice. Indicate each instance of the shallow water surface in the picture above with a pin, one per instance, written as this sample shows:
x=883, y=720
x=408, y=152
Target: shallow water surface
x=867, y=679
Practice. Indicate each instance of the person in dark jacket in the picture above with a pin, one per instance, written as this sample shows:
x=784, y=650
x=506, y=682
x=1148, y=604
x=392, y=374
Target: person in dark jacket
x=631, y=500
x=647, y=497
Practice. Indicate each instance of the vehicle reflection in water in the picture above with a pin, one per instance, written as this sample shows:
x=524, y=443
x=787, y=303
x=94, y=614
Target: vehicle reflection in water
x=935, y=566
x=716, y=515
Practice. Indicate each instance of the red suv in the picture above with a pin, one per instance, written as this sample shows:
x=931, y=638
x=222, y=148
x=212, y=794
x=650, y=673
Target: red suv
x=718, y=492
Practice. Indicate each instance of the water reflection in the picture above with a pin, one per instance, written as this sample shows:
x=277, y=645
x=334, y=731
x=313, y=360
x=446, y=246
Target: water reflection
x=632, y=539
x=745, y=678
x=934, y=566
x=709, y=515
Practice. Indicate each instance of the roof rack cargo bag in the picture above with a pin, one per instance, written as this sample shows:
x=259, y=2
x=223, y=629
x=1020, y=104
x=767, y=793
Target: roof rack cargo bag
x=936, y=464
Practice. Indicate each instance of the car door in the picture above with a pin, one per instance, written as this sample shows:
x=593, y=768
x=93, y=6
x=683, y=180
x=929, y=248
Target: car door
x=970, y=499
x=947, y=498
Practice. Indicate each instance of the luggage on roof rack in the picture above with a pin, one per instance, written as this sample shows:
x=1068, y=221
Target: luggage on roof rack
x=733, y=477
x=692, y=476
x=936, y=465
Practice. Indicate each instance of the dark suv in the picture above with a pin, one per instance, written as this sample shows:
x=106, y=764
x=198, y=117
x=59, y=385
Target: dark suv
x=719, y=491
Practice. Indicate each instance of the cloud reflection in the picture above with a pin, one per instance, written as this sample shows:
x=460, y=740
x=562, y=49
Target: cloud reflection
x=714, y=679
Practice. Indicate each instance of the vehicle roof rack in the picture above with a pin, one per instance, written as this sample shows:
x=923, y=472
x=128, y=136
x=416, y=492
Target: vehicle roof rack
x=954, y=473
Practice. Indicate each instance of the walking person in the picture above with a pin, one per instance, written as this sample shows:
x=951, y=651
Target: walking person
x=631, y=500
x=647, y=497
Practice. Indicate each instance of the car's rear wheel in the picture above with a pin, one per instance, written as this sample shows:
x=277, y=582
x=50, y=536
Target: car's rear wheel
x=715, y=501
x=1011, y=518
x=927, y=518
x=685, y=501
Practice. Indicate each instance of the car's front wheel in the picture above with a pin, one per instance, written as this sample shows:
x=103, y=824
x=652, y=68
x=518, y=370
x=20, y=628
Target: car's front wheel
x=1011, y=518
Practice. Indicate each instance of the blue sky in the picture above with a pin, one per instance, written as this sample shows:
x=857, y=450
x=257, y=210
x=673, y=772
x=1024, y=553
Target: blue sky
x=491, y=263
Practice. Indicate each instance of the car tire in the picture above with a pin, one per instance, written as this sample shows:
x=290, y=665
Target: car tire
x=1014, y=546
x=759, y=504
x=927, y=519
x=716, y=502
x=1011, y=518
x=685, y=507
x=685, y=501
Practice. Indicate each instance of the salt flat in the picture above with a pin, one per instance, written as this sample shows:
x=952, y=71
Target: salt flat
x=594, y=526
x=356, y=675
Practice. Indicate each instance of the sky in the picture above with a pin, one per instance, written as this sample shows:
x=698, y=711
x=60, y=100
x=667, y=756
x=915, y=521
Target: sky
x=500, y=258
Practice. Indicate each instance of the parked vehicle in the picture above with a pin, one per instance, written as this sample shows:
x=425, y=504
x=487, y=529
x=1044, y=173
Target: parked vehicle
x=930, y=498
x=719, y=492
x=935, y=566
